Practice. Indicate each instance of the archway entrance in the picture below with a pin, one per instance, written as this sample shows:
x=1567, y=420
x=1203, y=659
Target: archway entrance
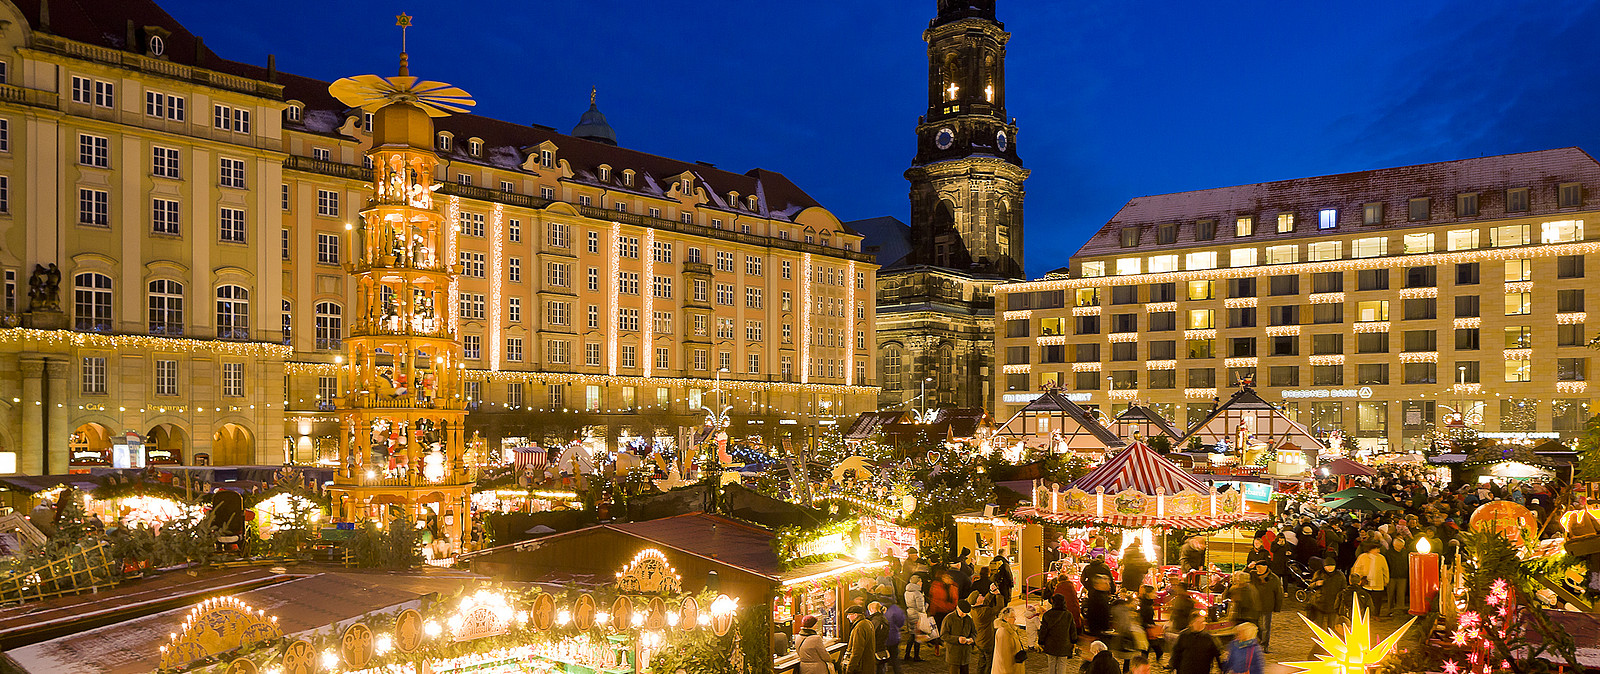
x=165, y=445
x=88, y=447
x=233, y=445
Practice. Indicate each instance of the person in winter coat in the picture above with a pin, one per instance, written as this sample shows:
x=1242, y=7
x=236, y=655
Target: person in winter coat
x=1066, y=588
x=896, y=617
x=1196, y=651
x=1134, y=568
x=958, y=634
x=1245, y=656
x=1398, y=559
x=1000, y=572
x=1306, y=547
x=916, y=610
x=985, y=608
x=1097, y=608
x=862, y=657
x=1282, y=552
x=1328, y=587
x=1269, y=595
x=1373, y=572
x=1180, y=611
x=1100, y=661
x=1243, y=606
x=1194, y=554
x=1096, y=567
x=943, y=595
x=1259, y=552
x=812, y=648
x=1058, y=633
x=1007, y=644
x=1147, y=621
x=880, y=635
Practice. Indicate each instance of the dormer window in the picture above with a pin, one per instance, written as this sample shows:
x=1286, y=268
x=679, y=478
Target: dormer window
x=733, y=200
x=444, y=142
x=547, y=159
x=158, y=46
x=605, y=174
x=627, y=178
x=475, y=147
x=752, y=201
x=687, y=186
x=366, y=122
x=293, y=112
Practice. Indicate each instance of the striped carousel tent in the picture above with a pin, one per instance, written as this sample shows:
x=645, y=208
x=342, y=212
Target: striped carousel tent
x=1140, y=468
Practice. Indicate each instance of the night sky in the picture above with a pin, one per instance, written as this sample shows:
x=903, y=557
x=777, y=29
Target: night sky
x=1114, y=99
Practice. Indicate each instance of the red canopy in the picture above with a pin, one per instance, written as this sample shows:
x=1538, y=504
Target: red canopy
x=1346, y=467
x=1140, y=468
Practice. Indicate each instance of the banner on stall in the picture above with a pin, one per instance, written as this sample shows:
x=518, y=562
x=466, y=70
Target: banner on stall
x=880, y=535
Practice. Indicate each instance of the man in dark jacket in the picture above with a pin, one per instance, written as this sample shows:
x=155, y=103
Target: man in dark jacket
x=1058, y=633
x=862, y=656
x=985, y=609
x=1328, y=586
x=1097, y=608
x=958, y=632
x=880, y=635
x=896, y=617
x=1269, y=599
x=1196, y=650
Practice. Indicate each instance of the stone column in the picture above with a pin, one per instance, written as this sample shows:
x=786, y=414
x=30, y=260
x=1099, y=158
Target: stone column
x=56, y=413
x=30, y=459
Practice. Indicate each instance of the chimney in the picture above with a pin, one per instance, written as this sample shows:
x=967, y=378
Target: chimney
x=199, y=51
x=132, y=44
x=272, y=68
x=44, y=15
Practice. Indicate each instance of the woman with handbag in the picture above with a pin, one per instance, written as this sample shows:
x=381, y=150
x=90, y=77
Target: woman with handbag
x=1009, y=652
x=812, y=649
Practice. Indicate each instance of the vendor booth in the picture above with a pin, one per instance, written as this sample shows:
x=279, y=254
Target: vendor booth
x=1248, y=424
x=1142, y=424
x=1052, y=422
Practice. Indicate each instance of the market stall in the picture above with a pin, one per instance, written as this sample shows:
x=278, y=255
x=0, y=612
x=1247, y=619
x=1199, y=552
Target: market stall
x=1142, y=424
x=1249, y=425
x=1052, y=422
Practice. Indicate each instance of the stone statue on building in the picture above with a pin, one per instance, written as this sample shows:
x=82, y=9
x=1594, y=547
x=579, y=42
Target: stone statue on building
x=44, y=288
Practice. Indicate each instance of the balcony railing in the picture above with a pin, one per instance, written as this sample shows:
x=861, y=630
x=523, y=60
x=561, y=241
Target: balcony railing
x=327, y=168
x=12, y=93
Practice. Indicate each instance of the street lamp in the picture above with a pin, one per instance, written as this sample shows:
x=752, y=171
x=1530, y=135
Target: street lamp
x=926, y=417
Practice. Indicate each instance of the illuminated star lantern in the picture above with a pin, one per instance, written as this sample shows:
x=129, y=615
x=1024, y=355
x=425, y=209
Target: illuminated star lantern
x=371, y=92
x=1355, y=652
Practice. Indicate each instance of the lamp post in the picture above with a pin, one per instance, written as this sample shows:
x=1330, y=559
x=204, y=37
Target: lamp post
x=926, y=415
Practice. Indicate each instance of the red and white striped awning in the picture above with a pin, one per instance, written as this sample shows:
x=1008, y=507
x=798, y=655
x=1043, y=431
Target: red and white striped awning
x=1142, y=521
x=530, y=458
x=1140, y=468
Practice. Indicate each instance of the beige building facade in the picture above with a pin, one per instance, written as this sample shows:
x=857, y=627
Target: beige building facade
x=1376, y=304
x=199, y=213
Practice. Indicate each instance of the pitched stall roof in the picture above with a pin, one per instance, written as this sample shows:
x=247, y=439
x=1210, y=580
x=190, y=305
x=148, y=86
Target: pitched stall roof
x=1271, y=424
x=1080, y=429
x=871, y=422
x=712, y=537
x=1541, y=171
x=1146, y=421
x=505, y=144
x=1140, y=468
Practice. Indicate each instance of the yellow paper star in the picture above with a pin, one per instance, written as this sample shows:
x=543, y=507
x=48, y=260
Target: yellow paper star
x=1354, y=653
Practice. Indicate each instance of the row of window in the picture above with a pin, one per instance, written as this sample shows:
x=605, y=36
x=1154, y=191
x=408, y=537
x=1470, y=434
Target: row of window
x=1557, y=231
x=103, y=94
x=1420, y=209
x=166, y=215
x=92, y=310
x=1466, y=273
x=92, y=377
x=1366, y=374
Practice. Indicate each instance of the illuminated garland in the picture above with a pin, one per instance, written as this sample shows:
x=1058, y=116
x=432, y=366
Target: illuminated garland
x=661, y=382
x=93, y=340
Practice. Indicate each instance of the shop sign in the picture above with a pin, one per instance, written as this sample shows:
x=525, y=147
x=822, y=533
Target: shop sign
x=1521, y=435
x=1030, y=397
x=827, y=544
x=1363, y=392
x=880, y=535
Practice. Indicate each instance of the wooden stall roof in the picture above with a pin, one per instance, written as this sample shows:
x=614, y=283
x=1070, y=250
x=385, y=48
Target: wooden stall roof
x=302, y=605
x=713, y=537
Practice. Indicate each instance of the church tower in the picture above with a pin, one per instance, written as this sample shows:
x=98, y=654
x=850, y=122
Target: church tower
x=966, y=178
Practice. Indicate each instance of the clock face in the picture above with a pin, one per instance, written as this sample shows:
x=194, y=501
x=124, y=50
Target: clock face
x=944, y=139
x=1000, y=141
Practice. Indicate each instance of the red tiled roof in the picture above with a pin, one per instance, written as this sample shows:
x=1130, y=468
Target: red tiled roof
x=104, y=23
x=1541, y=172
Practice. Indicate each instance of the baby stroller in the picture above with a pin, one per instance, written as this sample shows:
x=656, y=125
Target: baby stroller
x=1299, y=579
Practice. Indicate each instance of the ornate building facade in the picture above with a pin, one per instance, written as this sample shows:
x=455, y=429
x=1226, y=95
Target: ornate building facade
x=936, y=300
x=190, y=219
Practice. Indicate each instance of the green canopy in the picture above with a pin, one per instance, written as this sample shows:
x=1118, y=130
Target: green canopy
x=1360, y=503
x=1355, y=492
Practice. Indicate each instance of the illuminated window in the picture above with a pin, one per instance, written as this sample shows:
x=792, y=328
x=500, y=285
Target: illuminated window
x=1372, y=310
x=1519, y=304
x=1289, y=254
x=1418, y=243
x=1519, y=370
x=1518, y=270
x=1127, y=266
x=1200, y=290
x=1372, y=213
x=1202, y=260
x=1324, y=250
x=1376, y=246
x=1092, y=269
x=1245, y=226
x=1285, y=223
x=1202, y=319
x=1242, y=257
x=1327, y=218
x=1561, y=231
x=1163, y=263
x=1461, y=239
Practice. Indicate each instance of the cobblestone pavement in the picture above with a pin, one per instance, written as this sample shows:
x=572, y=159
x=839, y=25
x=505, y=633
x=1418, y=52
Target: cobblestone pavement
x=1291, y=642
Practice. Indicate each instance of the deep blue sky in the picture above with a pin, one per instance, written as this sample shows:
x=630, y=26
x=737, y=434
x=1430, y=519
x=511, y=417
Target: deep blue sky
x=1115, y=99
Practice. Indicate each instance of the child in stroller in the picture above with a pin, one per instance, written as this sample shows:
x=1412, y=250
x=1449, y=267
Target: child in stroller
x=1297, y=582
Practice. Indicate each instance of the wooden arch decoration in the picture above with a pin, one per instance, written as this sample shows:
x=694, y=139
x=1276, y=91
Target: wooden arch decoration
x=218, y=625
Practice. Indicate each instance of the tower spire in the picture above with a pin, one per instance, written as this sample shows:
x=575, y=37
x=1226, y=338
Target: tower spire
x=403, y=20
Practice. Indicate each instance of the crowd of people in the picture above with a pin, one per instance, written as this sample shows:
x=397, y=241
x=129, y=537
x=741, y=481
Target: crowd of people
x=1112, y=620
